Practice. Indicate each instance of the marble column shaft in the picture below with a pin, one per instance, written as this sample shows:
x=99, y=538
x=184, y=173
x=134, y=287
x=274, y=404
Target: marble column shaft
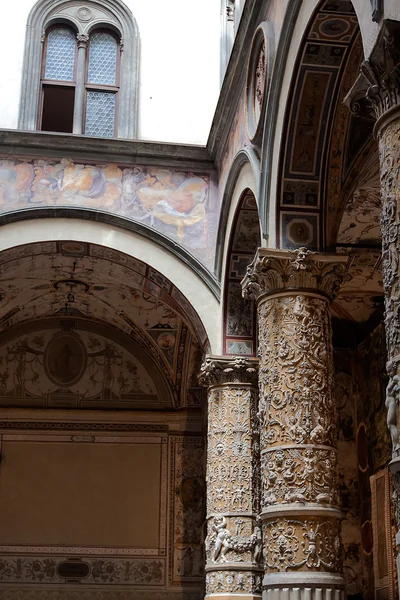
x=234, y=538
x=299, y=499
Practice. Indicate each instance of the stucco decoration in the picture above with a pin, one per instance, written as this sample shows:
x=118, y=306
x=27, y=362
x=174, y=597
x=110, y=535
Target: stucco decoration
x=178, y=204
x=299, y=497
x=186, y=565
x=361, y=216
x=361, y=293
x=378, y=87
x=50, y=570
x=234, y=549
x=77, y=280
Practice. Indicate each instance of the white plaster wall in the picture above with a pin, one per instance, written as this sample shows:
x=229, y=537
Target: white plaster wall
x=179, y=66
x=183, y=277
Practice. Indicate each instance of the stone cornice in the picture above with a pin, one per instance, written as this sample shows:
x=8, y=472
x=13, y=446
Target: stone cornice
x=285, y=271
x=81, y=147
x=377, y=88
x=220, y=370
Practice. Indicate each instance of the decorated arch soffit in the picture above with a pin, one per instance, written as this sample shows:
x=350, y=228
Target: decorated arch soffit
x=136, y=333
x=328, y=194
x=315, y=126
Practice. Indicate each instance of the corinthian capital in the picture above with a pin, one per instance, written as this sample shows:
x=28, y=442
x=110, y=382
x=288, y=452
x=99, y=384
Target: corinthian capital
x=218, y=370
x=274, y=271
x=378, y=84
x=82, y=40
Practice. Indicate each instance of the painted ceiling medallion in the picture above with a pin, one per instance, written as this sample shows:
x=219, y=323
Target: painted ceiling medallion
x=65, y=359
x=84, y=14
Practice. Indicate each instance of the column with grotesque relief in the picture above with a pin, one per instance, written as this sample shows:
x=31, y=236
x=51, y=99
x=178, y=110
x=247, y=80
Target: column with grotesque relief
x=377, y=92
x=299, y=495
x=234, y=549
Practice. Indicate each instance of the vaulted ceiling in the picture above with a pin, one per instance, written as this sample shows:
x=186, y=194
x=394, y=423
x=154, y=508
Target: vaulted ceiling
x=114, y=311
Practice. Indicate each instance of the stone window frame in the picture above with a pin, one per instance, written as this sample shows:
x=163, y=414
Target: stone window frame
x=84, y=17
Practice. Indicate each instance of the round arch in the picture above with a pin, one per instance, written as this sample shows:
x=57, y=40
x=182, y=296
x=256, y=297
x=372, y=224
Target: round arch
x=200, y=297
x=243, y=174
x=239, y=315
x=111, y=13
x=299, y=17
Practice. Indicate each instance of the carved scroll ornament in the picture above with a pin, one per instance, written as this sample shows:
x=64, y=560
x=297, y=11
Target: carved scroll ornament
x=275, y=271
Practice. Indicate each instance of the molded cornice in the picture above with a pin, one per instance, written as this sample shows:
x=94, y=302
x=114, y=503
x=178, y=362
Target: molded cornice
x=81, y=147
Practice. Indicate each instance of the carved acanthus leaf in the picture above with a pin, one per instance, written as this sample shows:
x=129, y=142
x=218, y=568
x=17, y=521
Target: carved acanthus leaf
x=279, y=270
x=378, y=84
x=217, y=370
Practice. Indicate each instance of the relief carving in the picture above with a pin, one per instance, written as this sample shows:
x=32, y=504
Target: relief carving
x=279, y=270
x=112, y=571
x=234, y=533
x=300, y=475
x=297, y=413
x=292, y=544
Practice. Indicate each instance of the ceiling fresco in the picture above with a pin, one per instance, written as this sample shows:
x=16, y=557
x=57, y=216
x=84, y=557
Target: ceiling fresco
x=361, y=215
x=59, y=363
x=71, y=280
x=362, y=290
x=313, y=154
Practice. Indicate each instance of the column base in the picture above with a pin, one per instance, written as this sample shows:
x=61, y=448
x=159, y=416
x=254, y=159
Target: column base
x=229, y=596
x=303, y=586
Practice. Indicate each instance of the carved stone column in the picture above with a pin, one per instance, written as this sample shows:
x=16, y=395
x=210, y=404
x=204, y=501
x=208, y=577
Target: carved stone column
x=234, y=538
x=378, y=89
x=301, y=518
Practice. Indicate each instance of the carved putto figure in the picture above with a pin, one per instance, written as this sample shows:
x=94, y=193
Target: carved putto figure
x=225, y=542
x=223, y=535
x=391, y=402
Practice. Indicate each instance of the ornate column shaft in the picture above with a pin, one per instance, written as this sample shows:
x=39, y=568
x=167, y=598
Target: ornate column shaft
x=301, y=518
x=234, y=538
x=378, y=88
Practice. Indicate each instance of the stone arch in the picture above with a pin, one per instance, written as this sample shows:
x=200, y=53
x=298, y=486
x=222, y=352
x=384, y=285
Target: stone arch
x=245, y=166
x=111, y=13
x=315, y=124
x=298, y=22
x=239, y=316
x=197, y=298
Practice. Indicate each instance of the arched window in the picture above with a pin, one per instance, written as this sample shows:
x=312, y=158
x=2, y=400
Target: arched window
x=58, y=80
x=80, y=82
x=81, y=74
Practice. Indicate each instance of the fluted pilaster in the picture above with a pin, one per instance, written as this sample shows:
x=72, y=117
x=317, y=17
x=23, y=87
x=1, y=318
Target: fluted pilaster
x=299, y=510
x=234, y=537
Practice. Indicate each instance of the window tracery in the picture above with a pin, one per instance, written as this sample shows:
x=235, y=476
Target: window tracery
x=74, y=58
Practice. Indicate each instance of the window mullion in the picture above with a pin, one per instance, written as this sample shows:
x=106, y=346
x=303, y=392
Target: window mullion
x=80, y=83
